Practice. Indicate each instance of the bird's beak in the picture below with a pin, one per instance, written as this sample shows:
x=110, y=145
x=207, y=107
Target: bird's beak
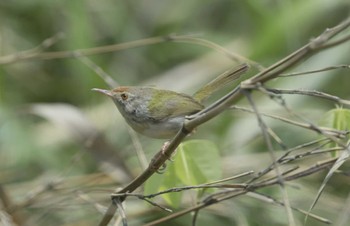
x=103, y=91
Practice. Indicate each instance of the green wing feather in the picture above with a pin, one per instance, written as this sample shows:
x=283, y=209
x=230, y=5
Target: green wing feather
x=177, y=104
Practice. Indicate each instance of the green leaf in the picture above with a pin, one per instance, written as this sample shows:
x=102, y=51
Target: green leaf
x=198, y=162
x=338, y=118
x=195, y=162
x=160, y=182
x=153, y=184
x=170, y=181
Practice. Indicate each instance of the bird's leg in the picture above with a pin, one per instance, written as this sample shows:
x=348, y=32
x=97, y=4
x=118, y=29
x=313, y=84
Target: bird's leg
x=170, y=158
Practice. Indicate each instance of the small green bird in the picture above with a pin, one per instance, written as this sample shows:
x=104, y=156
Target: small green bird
x=159, y=113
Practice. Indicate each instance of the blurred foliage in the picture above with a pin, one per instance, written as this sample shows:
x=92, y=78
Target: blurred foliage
x=36, y=152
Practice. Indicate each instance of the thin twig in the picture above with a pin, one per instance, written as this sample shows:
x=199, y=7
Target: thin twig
x=270, y=199
x=212, y=45
x=98, y=70
x=140, y=153
x=276, y=177
x=155, y=204
x=343, y=66
x=330, y=131
x=313, y=93
x=180, y=189
x=284, y=156
x=33, y=54
x=121, y=211
x=309, y=153
x=337, y=42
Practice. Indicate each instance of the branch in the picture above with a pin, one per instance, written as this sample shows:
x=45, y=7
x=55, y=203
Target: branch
x=313, y=93
x=343, y=66
x=325, y=130
x=37, y=54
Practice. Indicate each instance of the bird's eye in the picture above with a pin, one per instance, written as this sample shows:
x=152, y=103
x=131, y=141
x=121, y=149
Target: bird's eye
x=124, y=96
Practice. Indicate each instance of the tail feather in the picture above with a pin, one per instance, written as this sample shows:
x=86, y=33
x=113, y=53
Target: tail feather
x=219, y=82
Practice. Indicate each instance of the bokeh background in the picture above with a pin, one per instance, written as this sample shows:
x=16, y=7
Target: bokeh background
x=48, y=113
